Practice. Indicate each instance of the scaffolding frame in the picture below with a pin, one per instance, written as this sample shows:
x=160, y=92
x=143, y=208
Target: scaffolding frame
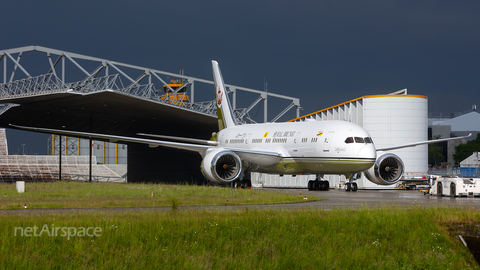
x=115, y=74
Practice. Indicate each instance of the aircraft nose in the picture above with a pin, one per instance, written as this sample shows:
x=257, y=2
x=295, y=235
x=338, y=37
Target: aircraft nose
x=367, y=152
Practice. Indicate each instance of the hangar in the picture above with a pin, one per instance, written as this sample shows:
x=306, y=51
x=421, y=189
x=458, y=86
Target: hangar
x=391, y=119
x=90, y=94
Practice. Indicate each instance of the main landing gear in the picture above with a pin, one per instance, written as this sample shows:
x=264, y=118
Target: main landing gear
x=318, y=184
x=246, y=183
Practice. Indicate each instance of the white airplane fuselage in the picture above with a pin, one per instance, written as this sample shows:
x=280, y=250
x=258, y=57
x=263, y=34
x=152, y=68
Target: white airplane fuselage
x=312, y=147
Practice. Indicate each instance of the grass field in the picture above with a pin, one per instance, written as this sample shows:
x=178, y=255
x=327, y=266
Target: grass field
x=387, y=238
x=380, y=238
x=83, y=195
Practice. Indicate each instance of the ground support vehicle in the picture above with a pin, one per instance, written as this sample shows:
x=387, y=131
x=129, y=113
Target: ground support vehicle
x=456, y=187
x=413, y=184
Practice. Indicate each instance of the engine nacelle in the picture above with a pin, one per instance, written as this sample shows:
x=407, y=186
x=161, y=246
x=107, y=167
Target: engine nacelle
x=387, y=170
x=221, y=166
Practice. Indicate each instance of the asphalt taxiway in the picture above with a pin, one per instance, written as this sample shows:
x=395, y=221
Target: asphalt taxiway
x=377, y=198
x=335, y=199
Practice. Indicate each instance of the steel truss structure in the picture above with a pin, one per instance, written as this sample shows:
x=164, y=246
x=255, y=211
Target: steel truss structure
x=111, y=75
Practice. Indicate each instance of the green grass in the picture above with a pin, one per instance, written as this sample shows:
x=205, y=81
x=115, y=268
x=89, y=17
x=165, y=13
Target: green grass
x=386, y=238
x=82, y=195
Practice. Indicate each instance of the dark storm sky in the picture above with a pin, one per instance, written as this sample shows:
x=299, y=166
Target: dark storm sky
x=323, y=52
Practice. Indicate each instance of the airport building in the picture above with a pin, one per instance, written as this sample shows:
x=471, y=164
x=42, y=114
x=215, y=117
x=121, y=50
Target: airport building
x=391, y=119
x=453, y=125
x=470, y=167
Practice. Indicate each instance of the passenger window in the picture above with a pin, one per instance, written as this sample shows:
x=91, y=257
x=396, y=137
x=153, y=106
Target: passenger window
x=368, y=140
x=349, y=140
x=359, y=140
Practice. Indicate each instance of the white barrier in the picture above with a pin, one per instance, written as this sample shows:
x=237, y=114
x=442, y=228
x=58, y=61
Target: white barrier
x=20, y=186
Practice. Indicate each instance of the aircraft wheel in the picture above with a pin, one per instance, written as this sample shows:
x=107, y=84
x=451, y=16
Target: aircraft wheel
x=453, y=191
x=310, y=185
x=244, y=184
x=347, y=187
x=327, y=185
x=354, y=187
x=238, y=184
x=322, y=185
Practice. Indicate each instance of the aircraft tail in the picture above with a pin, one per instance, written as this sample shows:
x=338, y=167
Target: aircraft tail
x=224, y=110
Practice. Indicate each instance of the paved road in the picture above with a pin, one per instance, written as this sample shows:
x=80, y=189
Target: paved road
x=369, y=198
x=335, y=199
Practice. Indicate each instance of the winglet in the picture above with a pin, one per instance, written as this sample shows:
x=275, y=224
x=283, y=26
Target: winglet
x=224, y=111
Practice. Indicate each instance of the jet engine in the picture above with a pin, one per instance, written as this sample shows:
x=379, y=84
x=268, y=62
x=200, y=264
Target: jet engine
x=221, y=166
x=387, y=170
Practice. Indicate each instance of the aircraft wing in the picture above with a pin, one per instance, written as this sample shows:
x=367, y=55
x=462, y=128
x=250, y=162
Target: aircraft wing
x=420, y=143
x=112, y=138
x=247, y=154
x=257, y=157
x=181, y=139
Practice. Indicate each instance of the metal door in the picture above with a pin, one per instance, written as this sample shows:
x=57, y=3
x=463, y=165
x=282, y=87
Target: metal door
x=327, y=140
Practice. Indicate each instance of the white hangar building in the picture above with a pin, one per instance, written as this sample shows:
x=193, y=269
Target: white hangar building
x=392, y=119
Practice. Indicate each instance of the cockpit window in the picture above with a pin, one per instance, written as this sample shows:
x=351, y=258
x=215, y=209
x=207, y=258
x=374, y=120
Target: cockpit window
x=359, y=140
x=349, y=140
x=368, y=140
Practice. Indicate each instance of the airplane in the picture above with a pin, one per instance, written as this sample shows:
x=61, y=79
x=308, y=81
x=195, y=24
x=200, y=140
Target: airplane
x=294, y=148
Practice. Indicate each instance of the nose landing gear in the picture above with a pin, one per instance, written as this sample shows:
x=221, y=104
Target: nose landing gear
x=350, y=185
